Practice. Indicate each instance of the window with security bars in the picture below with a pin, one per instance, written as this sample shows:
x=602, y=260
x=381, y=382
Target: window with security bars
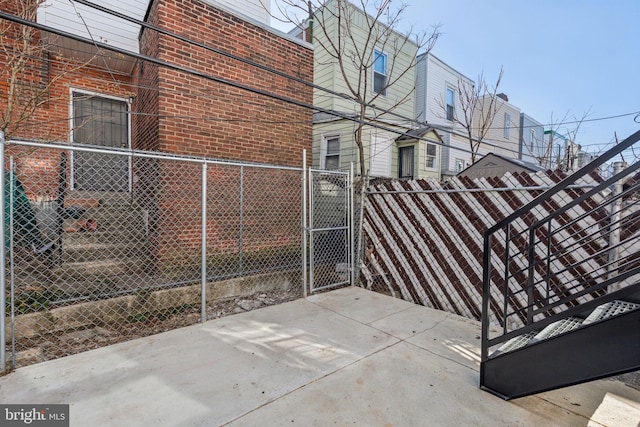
x=406, y=163
x=104, y=122
x=100, y=121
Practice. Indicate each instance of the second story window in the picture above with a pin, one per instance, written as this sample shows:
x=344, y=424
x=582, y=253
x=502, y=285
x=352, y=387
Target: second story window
x=450, y=103
x=380, y=72
x=532, y=138
x=331, y=157
x=507, y=125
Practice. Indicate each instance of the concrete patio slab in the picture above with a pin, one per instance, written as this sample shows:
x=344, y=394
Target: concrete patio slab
x=348, y=356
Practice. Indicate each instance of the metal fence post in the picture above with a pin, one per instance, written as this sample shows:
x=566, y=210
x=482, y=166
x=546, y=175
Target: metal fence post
x=203, y=273
x=304, y=222
x=3, y=254
x=352, y=251
x=241, y=225
x=614, y=228
x=12, y=252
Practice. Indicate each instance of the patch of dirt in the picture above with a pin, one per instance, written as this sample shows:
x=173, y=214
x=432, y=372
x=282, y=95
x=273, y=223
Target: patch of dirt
x=72, y=342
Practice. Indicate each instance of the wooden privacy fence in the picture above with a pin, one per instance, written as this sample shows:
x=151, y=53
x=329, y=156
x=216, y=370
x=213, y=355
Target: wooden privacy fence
x=423, y=239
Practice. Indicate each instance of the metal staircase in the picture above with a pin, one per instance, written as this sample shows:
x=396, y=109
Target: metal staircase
x=561, y=284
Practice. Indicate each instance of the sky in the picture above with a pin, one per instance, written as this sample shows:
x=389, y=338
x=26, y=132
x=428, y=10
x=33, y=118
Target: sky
x=560, y=57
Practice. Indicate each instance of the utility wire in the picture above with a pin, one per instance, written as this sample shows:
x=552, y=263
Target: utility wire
x=237, y=85
x=235, y=57
x=350, y=117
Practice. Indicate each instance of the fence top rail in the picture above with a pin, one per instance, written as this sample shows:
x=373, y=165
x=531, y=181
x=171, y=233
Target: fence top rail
x=145, y=154
x=329, y=172
x=473, y=190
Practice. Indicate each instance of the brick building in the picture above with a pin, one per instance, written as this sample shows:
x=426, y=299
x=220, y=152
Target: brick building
x=191, y=101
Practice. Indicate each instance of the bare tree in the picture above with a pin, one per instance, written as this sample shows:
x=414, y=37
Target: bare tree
x=478, y=104
x=27, y=75
x=559, y=148
x=351, y=39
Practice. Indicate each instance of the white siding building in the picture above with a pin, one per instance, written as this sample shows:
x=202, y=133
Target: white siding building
x=503, y=136
x=437, y=104
x=334, y=143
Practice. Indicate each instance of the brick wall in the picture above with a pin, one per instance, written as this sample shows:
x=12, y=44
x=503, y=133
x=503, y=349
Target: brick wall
x=43, y=95
x=187, y=114
x=202, y=117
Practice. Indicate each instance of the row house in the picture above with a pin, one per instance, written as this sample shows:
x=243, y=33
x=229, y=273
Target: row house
x=433, y=143
x=503, y=134
x=335, y=126
x=511, y=134
x=560, y=152
x=531, y=140
x=437, y=103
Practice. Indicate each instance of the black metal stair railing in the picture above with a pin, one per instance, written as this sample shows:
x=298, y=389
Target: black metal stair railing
x=552, y=264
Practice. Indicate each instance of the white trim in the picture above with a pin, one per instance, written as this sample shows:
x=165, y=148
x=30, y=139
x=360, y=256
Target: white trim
x=435, y=157
x=507, y=125
x=323, y=149
x=386, y=72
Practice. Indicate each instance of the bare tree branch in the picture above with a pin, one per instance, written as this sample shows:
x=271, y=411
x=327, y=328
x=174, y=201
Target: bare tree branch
x=479, y=104
x=28, y=63
x=347, y=37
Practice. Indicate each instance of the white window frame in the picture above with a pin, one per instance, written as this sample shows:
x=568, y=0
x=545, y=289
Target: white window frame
x=532, y=139
x=507, y=125
x=324, y=149
x=72, y=124
x=427, y=156
x=459, y=165
x=448, y=89
x=376, y=54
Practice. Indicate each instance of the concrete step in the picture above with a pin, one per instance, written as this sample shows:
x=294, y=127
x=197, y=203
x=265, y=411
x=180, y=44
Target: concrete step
x=94, y=251
x=99, y=270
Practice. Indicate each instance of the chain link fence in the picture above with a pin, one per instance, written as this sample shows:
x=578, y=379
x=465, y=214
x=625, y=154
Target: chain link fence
x=103, y=246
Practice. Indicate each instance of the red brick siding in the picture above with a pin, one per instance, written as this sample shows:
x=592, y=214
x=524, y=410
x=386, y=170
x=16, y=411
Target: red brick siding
x=202, y=117
x=197, y=116
x=53, y=76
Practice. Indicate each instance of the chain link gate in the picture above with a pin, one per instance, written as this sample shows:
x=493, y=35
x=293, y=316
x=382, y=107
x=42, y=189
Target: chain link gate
x=330, y=231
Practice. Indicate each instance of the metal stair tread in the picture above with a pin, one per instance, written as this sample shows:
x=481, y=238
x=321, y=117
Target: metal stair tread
x=610, y=309
x=557, y=328
x=515, y=343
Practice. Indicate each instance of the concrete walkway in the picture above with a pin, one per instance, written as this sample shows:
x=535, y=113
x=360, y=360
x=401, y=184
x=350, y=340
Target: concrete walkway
x=346, y=357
